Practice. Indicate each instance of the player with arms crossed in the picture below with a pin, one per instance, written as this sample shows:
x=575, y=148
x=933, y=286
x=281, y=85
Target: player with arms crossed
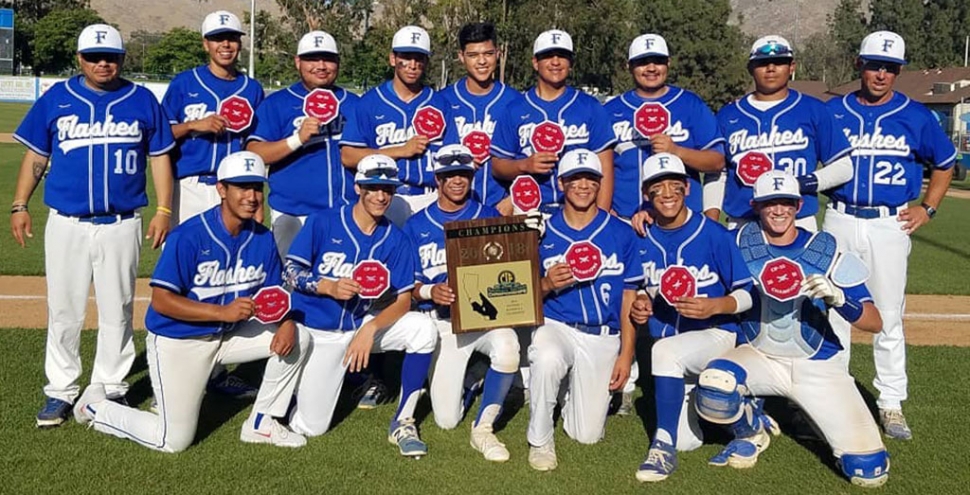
x=656, y=117
x=302, y=150
x=554, y=118
x=350, y=316
x=776, y=128
x=698, y=282
x=791, y=348
x=892, y=137
x=590, y=275
x=474, y=103
x=97, y=130
x=201, y=315
x=402, y=119
x=454, y=171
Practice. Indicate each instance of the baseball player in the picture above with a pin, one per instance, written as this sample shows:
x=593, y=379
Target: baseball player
x=193, y=102
x=97, y=130
x=560, y=117
x=590, y=274
x=656, y=117
x=402, y=119
x=306, y=174
x=454, y=172
x=777, y=128
x=350, y=316
x=892, y=137
x=201, y=314
x=474, y=104
x=699, y=282
x=791, y=349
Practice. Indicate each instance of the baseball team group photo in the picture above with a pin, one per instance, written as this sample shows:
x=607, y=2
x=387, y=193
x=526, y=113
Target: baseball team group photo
x=418, y=285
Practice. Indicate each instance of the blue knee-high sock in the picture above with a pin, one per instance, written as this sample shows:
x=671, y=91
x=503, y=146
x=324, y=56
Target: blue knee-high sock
x=669, y=395
x=413, y=373
x=497, y=385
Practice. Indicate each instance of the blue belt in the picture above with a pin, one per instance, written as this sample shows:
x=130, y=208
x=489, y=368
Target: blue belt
x=102, y=218
x=595, y=329
x=209, y=180
x=866, y=212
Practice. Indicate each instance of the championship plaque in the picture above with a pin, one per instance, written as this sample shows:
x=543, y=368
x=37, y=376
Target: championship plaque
x=493, y=269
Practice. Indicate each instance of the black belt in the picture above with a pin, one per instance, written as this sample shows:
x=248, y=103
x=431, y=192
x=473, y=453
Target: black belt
x=866, y=212
x=102, y=218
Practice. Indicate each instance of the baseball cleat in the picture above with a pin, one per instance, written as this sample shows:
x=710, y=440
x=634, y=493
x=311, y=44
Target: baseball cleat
x=404, y=434
x=53, y=414
x=375, y=394
x=894, y=424
x=233, y=386
x=543, y=458
x=84, y=410
x=742, y=453
x=626, y=405
x=262, y=428
x=484, y=441
x=660, y=463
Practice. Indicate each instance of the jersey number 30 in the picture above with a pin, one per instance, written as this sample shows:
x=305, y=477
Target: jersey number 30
x=889, y=174
x=126, y=163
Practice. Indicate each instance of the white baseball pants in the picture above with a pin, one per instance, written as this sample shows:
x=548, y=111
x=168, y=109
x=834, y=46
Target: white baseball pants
x=191, y=197
x=285, y=229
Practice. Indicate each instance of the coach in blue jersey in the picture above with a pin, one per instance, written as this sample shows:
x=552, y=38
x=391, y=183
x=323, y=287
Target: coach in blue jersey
x=202, y=315
x=383, y=123
x=305, y=174
x=790, y=349
x=699, y=282
x=192, y=102
x=777, y=128
x=345, y=326
x=580, y=117
x=474, y=105
x=892, y=138
x=587, y=339
x=97, y=130
x=687, y=127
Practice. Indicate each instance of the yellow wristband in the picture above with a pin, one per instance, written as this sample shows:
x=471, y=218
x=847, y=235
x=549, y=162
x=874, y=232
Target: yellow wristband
x=164, y=210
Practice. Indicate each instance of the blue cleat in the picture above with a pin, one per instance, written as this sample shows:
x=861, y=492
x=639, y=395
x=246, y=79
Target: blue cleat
x=53, y=414
x=404, y=434
x=742, y=453
x=375, y=394
x=660, y=463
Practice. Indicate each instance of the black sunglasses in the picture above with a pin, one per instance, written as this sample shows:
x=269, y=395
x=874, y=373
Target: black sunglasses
x=93, y=58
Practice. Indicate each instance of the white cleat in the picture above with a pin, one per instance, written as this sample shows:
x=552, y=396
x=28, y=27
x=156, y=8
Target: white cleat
x=269, y=431
x=484, y=441
x=84, y=406
x=543, y=458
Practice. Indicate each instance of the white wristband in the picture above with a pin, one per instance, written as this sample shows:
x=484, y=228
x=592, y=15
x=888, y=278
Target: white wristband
x=424, y=293
x=743, y=300
x=294, y=142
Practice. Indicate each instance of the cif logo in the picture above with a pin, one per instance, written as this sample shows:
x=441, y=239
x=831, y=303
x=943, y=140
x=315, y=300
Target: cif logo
x=506, y=277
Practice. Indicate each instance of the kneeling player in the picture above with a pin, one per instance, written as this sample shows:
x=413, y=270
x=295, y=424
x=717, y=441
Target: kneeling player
x=454, y=171
x=791, y=347
x=699, y=282
x=591, y=273
x=329, y=259
x=200, y=316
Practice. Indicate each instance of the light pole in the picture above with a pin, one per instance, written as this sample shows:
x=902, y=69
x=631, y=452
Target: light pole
x=252, y=38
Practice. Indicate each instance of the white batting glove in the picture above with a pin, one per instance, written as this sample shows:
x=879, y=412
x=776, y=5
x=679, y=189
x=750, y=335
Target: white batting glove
x=535, y=220
x=820, y=287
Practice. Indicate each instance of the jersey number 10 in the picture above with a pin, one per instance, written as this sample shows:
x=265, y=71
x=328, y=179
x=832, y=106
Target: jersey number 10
x=126, y=163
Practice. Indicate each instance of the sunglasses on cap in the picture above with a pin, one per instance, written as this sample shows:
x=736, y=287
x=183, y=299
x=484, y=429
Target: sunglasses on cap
x=95, y=57
x=455, y=159
x=387, y=173
x=773, y=50
x=877, y=65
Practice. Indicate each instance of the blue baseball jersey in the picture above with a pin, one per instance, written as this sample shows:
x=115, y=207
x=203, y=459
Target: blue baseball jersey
x=808, y=315
x=468, y=112
x=382, y=120
x=692, y=125
x=98, y=144
x=583, y=120
x=599, y=301
x=890, y=144
x=331, y=245
x=708, y=251
x=203, y=262
x=795, y=135
x=427, y=231
x=311, y=178
x=194, y=95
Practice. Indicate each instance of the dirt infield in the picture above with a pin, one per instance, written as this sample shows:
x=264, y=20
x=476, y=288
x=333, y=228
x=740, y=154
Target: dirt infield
x=930, y=320
x=6, y=137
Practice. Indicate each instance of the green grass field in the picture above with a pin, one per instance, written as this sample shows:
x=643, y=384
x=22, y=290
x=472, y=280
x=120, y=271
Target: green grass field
x=355, y=456
x=11, y=114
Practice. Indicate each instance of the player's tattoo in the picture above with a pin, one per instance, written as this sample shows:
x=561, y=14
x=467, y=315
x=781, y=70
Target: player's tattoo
x=300, y=277
x=39, y=167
